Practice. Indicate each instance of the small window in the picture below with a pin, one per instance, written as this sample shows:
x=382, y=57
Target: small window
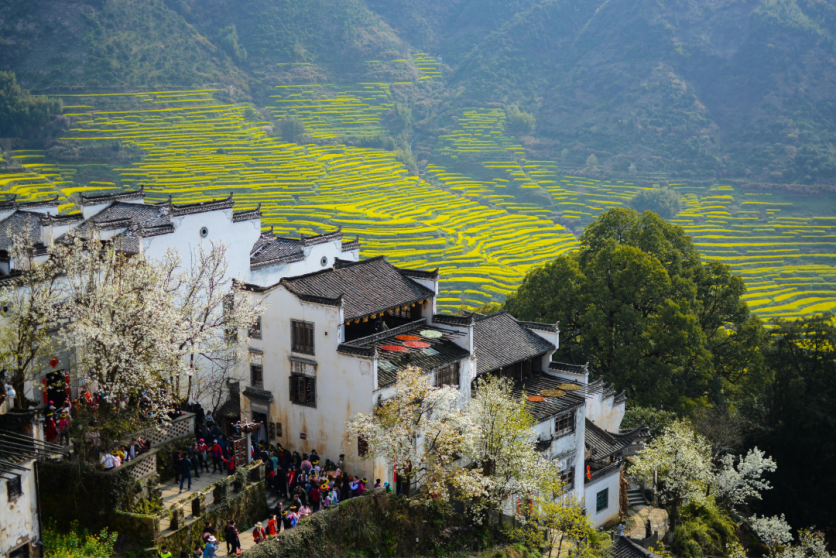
x=229, y=304
x=362, y=447
x=14, y=487
x=278, y=430
x=257, y=375
x=602, y=500
x=303, y=390
x=20, y=552
x=564, y=424
x=255, y=330
x=567, y=477
x=204, y=232
x=324, y=261
x=447, y=376
x=302, y=337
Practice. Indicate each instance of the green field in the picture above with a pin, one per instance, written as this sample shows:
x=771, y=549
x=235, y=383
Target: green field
x=484, y=222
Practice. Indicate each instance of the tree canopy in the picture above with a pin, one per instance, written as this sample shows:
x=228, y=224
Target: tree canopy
x=23, y=114
x=639, y=305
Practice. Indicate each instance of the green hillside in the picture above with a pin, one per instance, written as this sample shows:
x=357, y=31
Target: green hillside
x=408, y=140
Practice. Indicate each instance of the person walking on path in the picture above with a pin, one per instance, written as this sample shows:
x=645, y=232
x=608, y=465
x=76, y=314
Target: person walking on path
x=217, y=454
x=233, y=538
x=185, y=468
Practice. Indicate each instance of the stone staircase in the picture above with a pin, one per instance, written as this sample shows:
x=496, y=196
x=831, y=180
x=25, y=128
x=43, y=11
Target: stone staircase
x=635, y=498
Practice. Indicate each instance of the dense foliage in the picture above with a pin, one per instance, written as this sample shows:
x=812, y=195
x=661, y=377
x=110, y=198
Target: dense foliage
x=663, y=201
x=21, y=113
x=638, y=304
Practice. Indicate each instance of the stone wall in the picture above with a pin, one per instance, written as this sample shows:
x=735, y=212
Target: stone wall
x=246, y=507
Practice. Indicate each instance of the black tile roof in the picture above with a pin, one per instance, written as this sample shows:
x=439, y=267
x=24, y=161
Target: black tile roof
x=26, y=223
x=269, y=249
x=541, y=326
x=552, y=406
x=623, y=547
x=441, y=352
x=368, y=287
x=450, y=319
x=120, y=195
x=500, y=340
x=124, y=214
x=571, y=368
x=605, y=444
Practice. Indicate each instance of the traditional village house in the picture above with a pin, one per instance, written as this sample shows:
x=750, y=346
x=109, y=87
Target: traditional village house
x=21, y=447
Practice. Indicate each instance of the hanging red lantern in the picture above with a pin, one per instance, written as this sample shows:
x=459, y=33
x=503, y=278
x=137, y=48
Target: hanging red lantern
x=588, y=473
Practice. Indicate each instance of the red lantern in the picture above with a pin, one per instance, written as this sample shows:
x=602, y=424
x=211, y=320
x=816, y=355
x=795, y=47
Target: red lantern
x=53, y=362
x=588, y=473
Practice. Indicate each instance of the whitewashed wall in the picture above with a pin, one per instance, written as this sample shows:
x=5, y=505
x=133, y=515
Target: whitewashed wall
x=18, y=518
x=611, y=482
x=238, y=238
x=343, y=383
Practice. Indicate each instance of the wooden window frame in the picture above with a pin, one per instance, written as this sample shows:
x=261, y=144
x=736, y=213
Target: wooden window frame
x=445, y=375
x=567, y=476
x=362, y=447
x=306, y=330
x=564, y=424
x=308, y=390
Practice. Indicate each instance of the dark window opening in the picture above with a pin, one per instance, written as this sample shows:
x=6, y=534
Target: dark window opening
x=392, y=318
x=257, y=375
x=278, y=426
x=302, y=337
x=447, y=376
x=362, y=447
x=602, y=500
x=21, y=552
x=303, y=390
x=521, y=370
x=564, y=424
x=14, y=487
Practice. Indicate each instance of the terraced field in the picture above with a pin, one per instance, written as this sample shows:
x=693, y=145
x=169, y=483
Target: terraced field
x=484, y=229
x=197, y=149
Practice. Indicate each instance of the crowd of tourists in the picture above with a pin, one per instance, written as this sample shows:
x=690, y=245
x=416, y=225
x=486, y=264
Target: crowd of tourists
x=305, y=484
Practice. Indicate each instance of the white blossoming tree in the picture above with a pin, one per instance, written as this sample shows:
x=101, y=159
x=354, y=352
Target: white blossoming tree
x=29, y=311
x=120, y=318
x=212, y=309
x=774, y=532
x=678, y=465
x=423, y=431
x=811, y=544
x=734, y=484
x=504, y=445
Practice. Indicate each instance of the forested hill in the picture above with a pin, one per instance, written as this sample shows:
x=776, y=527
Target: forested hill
x=692, y=89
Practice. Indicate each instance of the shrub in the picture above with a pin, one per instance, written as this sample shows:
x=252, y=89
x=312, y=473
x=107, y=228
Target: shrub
x=519, y=121
x=705, y=531
x=77, y=543
x=292, y=128
x=662, y=201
